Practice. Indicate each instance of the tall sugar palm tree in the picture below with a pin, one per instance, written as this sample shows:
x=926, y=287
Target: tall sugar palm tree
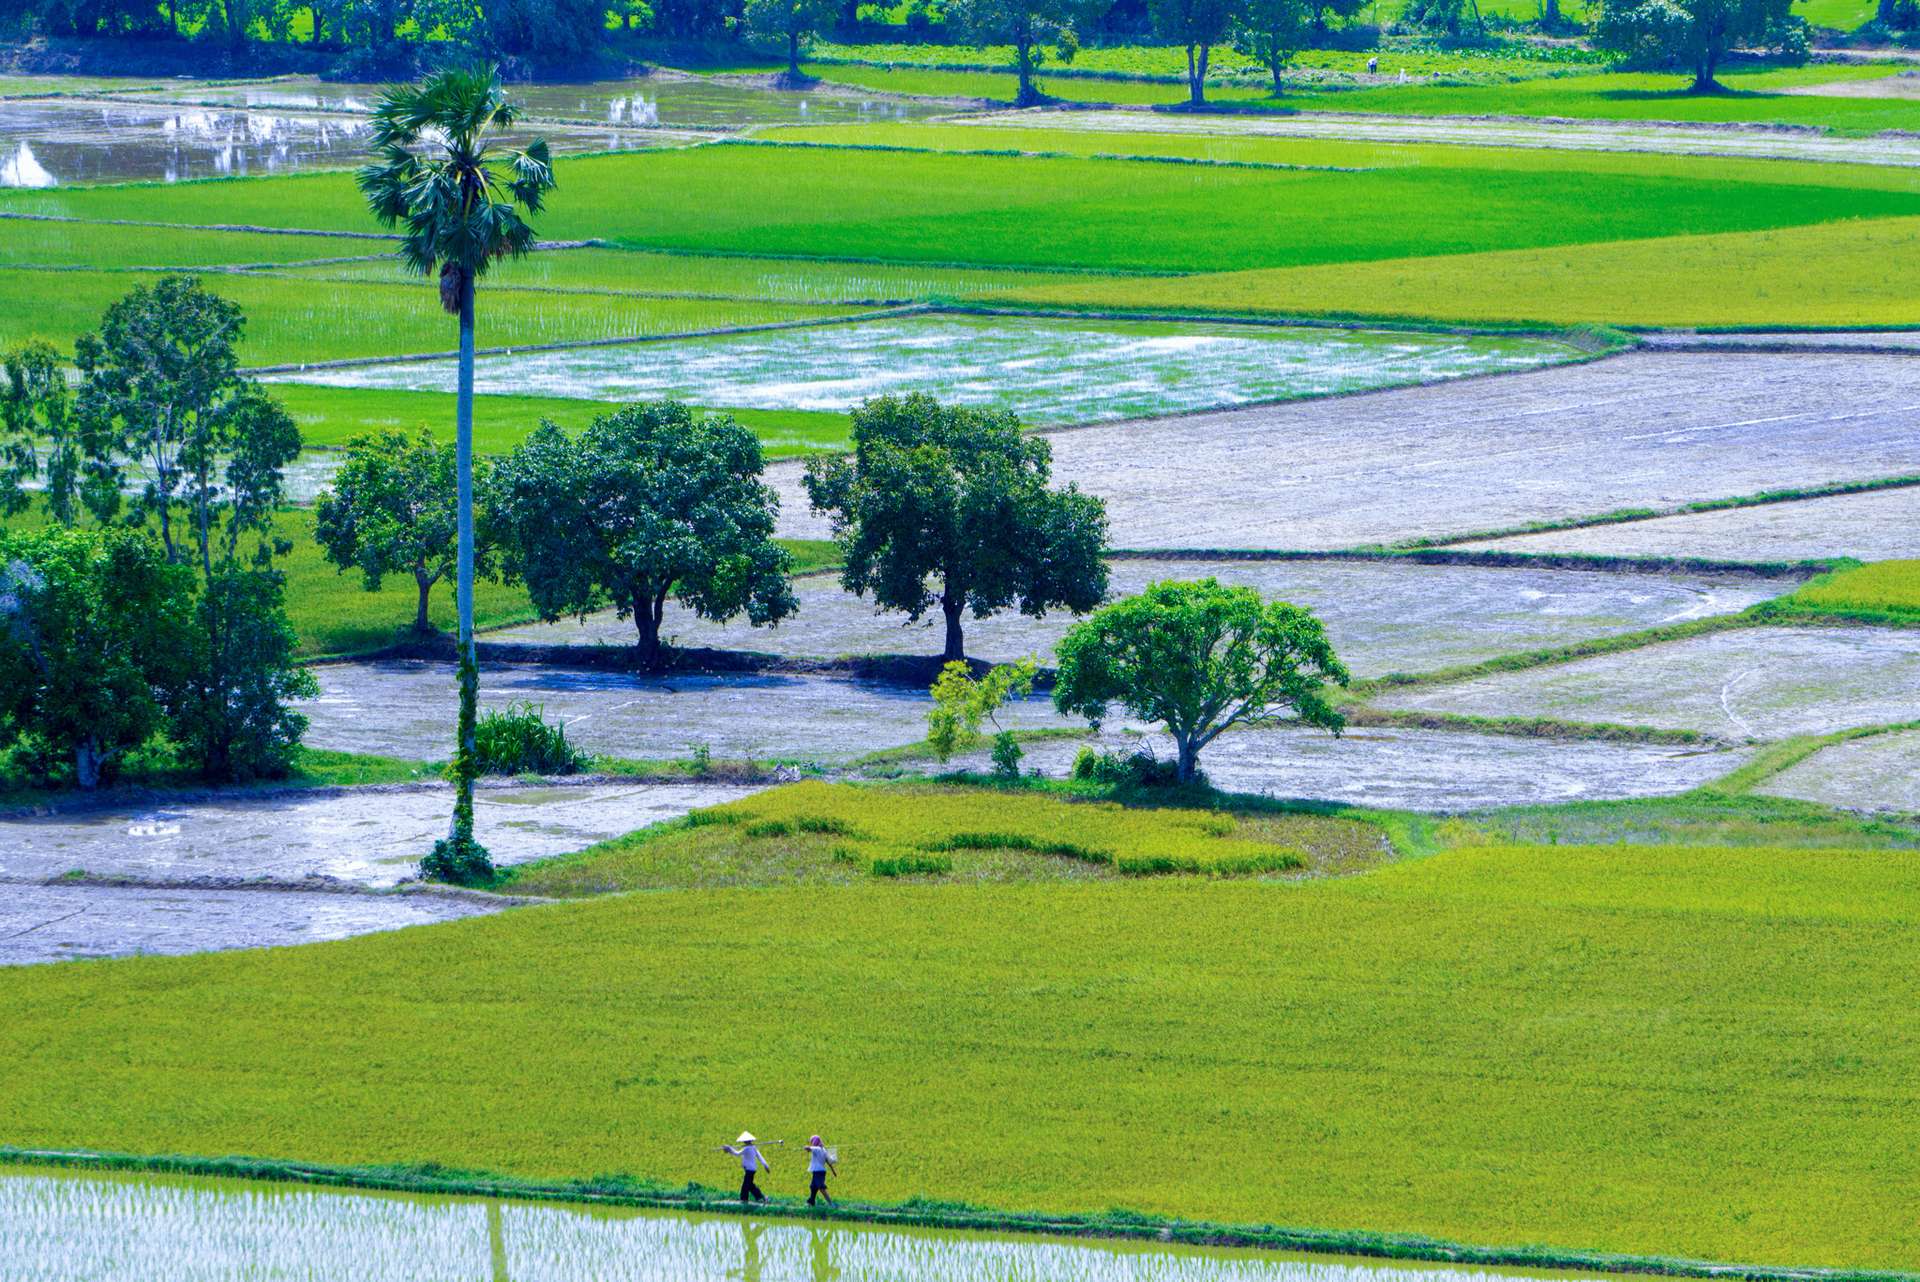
x=442, y=177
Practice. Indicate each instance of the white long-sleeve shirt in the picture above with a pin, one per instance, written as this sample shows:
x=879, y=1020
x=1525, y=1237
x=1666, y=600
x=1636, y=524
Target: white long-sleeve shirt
x=750, y=1159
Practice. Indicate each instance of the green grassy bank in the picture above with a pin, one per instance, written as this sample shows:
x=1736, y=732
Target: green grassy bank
x=1661, y=1050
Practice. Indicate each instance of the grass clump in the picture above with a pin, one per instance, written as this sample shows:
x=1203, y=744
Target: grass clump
x=830, y=832
x=517, y=740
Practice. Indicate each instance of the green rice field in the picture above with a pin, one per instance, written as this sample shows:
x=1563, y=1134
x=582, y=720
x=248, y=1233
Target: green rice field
x=1662, y=1049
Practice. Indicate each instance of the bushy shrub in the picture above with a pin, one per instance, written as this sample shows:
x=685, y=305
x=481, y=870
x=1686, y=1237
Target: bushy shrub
x=458, y=862
x=1137, y=769
x=1006, y=756
x=517, y=740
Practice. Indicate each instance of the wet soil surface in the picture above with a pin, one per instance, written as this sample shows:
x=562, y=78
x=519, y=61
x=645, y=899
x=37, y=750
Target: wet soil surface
x=1881, y=773
x=1876, y=526
x=1759, y=683
x=1598, y=135
x=364, y=837
x=1434, y=771
x=1383, y=616
x=1902, y=340
x=1645, y=429
x=404, y=708
x=59, y=923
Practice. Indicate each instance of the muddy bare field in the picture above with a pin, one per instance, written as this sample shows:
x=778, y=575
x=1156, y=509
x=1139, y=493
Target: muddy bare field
x=1644, y=429
x=1383, y=616
x=400, y=708
x=1876, y=526
x=1600, y=135
x=1435, y=771
x=61, y=923
x=1878, y=774
x=1759, y=683
x=366, y=837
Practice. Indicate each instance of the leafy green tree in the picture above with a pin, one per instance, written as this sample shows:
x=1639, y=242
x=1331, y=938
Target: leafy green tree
x=92, y=628
x=1696, y=34
x=793, y=21
x=647, y=504
x=1199, y=658
x=1035, y=29
x=161, y=399
x=391, y=510
x=1198, y=25
x=940, y=505
x=42, y=437
x=443, y=178
x=963, y=703
x=167, y=419
x=1271, y=32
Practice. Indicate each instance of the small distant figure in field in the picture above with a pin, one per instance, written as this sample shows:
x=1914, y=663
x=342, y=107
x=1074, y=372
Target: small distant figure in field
x=1373, y=66
x=747, y=1149
x=820, y=1160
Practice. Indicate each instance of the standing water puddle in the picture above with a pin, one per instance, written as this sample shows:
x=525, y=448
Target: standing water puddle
x=93, y=1228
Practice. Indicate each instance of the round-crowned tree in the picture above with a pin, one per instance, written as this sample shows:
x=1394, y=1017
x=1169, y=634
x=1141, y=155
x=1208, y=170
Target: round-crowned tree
x=948, y=507
x=646, y=505
x=1199, y=658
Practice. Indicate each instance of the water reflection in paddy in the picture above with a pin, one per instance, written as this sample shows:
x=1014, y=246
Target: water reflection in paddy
x=92, y=1228
x=49, y=143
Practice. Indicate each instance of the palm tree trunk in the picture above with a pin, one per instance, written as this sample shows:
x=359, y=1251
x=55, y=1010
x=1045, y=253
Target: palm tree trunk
x=469, y=671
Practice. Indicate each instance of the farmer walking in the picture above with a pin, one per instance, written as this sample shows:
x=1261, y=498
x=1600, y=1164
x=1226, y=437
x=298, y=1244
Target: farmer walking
x=819, y=1162
x=747, y=1149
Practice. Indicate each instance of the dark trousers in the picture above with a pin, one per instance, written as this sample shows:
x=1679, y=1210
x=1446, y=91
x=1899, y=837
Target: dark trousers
x=818, y=1188
x=749, y=1190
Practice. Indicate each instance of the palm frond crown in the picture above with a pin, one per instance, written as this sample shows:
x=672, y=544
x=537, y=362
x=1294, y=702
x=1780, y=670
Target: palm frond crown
x=442, y=178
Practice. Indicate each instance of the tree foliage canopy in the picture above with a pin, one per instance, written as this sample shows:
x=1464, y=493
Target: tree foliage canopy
x=647, y=504
x=39, y=436
x=1271, y=32
x=1197, y=25
x=947, y=506
x=442, y=179
x=391, y=510
x=1199, y=658
x=93, y=634
x=1696, y=34
x=1034, y=28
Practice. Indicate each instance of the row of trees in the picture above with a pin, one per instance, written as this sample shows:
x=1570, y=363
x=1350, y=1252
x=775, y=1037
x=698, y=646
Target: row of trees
x=149, y=601
x=938, y=509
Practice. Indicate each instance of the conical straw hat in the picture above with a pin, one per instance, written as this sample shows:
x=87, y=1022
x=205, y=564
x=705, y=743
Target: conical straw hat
x=746, y=1137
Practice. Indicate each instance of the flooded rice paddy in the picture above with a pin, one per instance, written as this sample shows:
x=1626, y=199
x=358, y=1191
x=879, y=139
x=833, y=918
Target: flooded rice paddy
x=1881, y=773
x=1048, y=371
x=1439, y=772
x=1645, y=429
x=54, y=143
x=673, y=102
x=1383, y=616
x=400, y=709
x=66, y=923
x=199, y=131
x=367, y=836
x=1758, y=683
x=97, y=1228
x=1876, y=526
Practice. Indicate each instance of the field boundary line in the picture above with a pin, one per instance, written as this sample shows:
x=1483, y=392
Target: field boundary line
x=1018, y=153
x=926, y=1213
x=1496, y=559
x=23, y=216
x=1626, y=516
x=1778, y=758
x=358, y=362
